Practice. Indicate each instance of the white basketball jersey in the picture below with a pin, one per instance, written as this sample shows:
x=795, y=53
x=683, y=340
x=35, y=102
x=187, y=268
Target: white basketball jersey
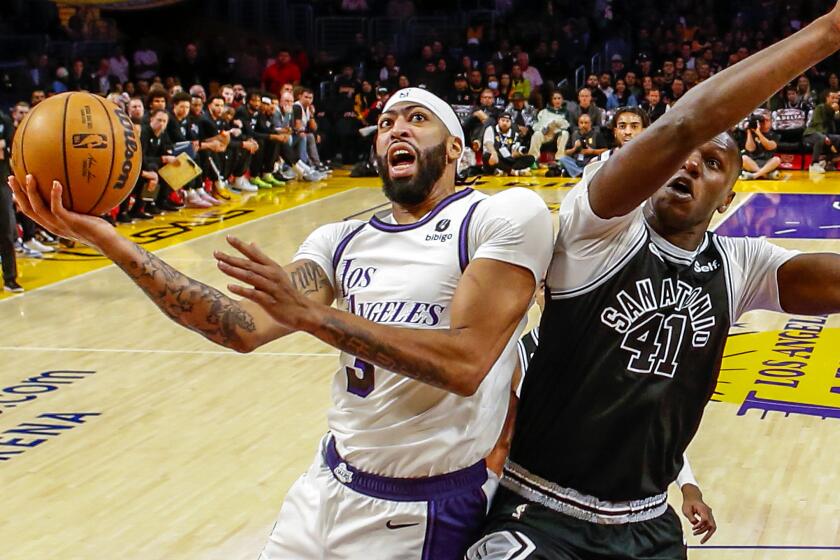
x=405, y=276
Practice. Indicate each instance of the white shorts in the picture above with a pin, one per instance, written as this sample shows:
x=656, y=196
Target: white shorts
x=335, y=511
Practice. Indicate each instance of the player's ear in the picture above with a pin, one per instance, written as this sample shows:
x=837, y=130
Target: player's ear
x=454, y=149
x=729, y=198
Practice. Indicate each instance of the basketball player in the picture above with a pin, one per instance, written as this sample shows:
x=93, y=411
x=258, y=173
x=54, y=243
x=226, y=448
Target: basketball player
x=640, y=297
x=694, y=508
x=626, y=124
x=421, y=392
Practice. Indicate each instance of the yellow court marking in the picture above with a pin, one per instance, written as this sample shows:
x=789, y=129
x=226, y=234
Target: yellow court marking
x=173, y=228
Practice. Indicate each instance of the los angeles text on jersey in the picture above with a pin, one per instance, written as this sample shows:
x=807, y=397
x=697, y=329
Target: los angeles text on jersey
x=356, y=278
x=673, y=296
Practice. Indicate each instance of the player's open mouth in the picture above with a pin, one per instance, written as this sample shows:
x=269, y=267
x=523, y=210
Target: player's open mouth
x=402, y=160
x=681, y=188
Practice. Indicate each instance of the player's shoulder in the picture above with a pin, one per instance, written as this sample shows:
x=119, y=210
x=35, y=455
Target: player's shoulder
x=512, y=202
x=337, y=231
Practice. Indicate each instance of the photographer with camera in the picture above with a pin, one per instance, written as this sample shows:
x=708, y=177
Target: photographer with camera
x=758, y=156
x=586, y=144
x=504, y=152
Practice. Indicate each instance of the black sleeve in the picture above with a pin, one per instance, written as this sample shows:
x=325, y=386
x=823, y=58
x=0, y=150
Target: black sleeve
x=297, y=113
x=151, y=157
x=243, y=117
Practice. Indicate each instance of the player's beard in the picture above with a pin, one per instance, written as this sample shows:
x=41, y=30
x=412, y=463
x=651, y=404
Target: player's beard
x=413, y=190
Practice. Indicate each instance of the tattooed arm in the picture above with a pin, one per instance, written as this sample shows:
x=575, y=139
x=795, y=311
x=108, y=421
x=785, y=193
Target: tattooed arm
x=239, y=325
x=456, y=358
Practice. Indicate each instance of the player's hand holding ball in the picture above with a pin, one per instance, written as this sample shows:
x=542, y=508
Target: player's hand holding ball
x=89, y=230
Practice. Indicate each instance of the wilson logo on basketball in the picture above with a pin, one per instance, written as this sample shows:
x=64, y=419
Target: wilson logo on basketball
x=90, y=141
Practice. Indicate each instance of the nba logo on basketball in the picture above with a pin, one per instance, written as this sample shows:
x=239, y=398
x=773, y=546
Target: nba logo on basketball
x=90, y=141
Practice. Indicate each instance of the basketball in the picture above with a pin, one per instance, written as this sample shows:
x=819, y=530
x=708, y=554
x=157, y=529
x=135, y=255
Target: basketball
x=86, y=143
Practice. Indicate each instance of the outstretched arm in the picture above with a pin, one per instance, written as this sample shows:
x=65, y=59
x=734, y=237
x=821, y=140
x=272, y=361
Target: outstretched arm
x=456, y=358
x=239, y=325
x=636, y=171
x=809, y=284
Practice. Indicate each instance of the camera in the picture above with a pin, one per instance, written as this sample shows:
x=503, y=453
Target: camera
x=754, y=122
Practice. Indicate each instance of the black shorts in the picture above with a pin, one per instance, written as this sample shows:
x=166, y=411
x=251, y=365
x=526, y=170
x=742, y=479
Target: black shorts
x=517, y=529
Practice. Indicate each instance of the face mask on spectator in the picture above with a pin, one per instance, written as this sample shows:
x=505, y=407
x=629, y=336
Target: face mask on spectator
x=493, y=85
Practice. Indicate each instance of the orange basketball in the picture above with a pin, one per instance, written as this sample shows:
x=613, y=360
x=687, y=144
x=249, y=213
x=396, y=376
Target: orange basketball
x=86, y=143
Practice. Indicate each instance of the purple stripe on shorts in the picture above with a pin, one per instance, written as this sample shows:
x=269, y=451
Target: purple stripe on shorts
x=453, y=525
x=382, y=226
x=464, y=238
x=343, y=245
x=404, y=489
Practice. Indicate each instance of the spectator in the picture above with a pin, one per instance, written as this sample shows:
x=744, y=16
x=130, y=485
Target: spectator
x=346, y=124
x=290, y=151
x=102, y=78
x=460, y=94
x=523, y=116
x=530, y=73
x=633, y=85
x=760, y=160
x=504, y=92
x=136, y=110
x=306, y=128
x=677, y=91
x=552, y=126
x=653, y=105
x=79, y=77
x=476, y=85
x=37, y=72
x=617, y=65
x=429, y=78
x=197, y=90
x=793, y=101
x=59, y=85
x=586, y=106
x=821, y=135
x=586, y=145
x=390, y=70
x=483, y=115
x=605, y=85
x=192, y=69
x=157, y=151
x=593, y=85
x=8, y=224
x=146, y=63
x=518, y=82
x=803, y=91
x=118, y=64
x=268, y=140
x=37, y=96
x=283, y=71
x=621, y=97
x=504, y=152
x=226, y=91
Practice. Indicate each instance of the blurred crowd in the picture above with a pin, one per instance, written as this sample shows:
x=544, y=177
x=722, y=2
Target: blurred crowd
x=256, y=114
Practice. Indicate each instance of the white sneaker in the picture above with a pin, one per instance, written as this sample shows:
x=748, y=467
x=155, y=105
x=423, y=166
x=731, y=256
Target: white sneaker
x=35, y=245
x=818, y=168
x=774, y=175
x=207, y=197
x=194, y=200
x=314, y=176
x=241, y=184
x=27, y=252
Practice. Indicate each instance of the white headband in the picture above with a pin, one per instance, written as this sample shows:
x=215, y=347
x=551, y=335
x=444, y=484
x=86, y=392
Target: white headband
x=433, y=103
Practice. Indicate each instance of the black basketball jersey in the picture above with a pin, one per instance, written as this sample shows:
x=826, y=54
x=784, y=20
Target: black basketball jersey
x=624, y=368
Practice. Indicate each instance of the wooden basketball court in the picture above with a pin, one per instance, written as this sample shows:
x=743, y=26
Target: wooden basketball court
x=126, y=436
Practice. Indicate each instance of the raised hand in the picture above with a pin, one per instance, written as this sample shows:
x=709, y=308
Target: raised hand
x=86, y=229
x=271, y=288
